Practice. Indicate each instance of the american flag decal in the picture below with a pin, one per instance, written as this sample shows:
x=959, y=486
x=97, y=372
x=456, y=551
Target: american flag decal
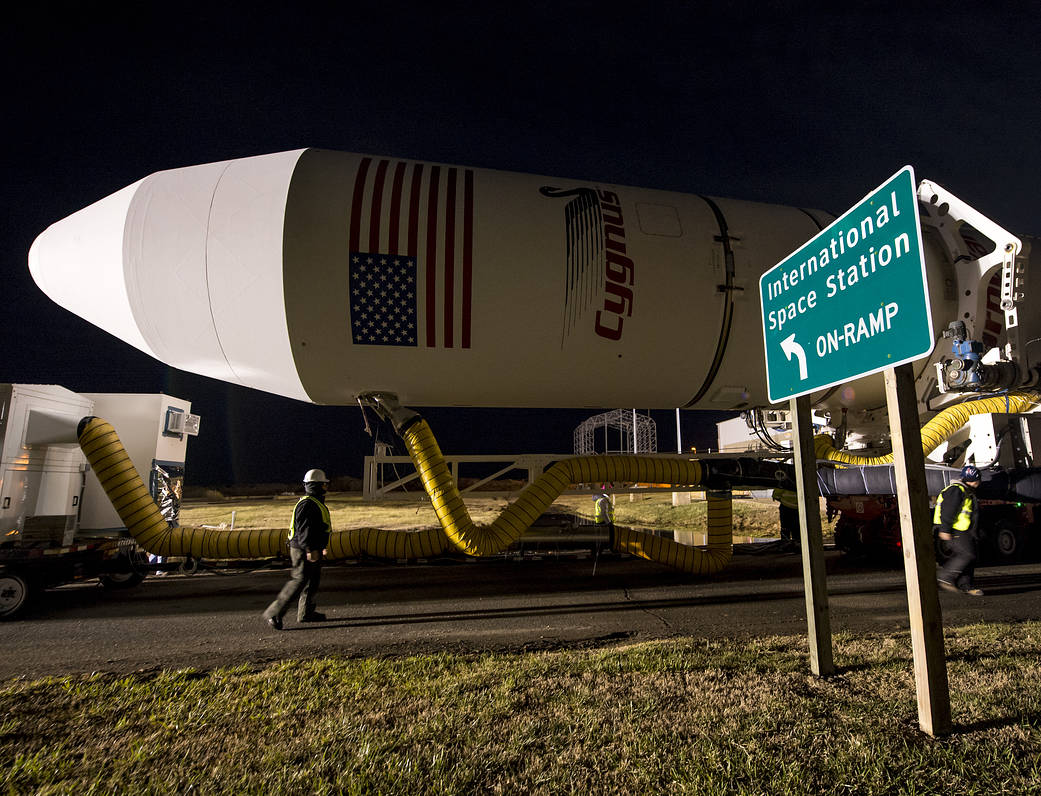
x=411, y=226
x=383, y=299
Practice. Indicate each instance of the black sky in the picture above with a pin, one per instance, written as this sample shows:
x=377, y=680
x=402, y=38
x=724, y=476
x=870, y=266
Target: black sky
x=777, y=102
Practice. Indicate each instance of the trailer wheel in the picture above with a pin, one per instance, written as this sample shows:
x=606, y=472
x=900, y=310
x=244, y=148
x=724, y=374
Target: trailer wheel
x=129, y=573
x=1007, y=542
x=15, y=593
x=848, y=537
x=121, y=580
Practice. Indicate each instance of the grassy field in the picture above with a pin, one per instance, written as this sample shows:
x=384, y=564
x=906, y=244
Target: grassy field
x=348, y=510
x=678, y=716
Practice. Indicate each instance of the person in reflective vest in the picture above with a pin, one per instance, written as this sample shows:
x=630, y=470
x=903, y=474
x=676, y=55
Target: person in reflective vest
x=308, y=540
x=603, y=514
x=955, y=520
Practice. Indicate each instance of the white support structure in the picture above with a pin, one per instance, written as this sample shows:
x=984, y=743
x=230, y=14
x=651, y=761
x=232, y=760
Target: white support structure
x=534, y=464
x=634, y=433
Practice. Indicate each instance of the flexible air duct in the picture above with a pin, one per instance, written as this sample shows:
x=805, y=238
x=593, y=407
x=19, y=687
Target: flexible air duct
x=937, y=430
x=139, y=513
x=146, y=524
x=1015, y=485
x=485, y=540
x=877, y=479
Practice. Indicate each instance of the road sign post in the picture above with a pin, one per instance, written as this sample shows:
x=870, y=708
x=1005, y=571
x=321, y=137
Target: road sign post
x=818, y=618
x=852, y=301
x=916, y=537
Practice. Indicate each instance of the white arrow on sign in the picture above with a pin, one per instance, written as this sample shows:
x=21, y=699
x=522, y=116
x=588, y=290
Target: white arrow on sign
x=789, y=347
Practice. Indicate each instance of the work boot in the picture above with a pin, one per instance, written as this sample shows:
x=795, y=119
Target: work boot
x=314, y=616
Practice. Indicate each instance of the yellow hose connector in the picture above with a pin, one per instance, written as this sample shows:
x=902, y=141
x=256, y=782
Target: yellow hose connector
x=937, y=430
x=475, y=540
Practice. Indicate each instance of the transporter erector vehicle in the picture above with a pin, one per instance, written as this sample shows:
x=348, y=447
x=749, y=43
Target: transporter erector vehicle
x=341, y=278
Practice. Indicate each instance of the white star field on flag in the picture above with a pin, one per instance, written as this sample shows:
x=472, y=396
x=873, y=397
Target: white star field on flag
x=383, y=299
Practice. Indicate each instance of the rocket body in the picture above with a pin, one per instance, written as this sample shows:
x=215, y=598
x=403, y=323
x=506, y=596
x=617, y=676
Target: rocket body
x=322, y=275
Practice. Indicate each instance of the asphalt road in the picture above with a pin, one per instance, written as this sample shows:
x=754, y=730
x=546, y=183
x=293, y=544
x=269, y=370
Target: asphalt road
x=208, y=620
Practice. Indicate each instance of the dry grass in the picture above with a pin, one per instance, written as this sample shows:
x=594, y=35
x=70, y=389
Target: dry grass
x=679, y=716
x=655, y=510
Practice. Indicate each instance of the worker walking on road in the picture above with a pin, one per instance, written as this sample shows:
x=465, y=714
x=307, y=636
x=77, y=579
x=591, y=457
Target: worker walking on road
x=308, y=539
x=604, y=515
x=955, y=519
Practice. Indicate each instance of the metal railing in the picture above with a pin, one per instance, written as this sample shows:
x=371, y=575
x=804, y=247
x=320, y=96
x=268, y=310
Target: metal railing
x=376, y=486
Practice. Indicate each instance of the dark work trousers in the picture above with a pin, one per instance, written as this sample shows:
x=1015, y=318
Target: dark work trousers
x=960, y=567
x=303, y=584
x=789, y=522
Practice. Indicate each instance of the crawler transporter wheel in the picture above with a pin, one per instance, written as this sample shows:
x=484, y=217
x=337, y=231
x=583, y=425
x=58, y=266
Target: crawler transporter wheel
x=15, y=593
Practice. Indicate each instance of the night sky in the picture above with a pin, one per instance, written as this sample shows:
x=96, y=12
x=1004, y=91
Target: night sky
x=760, y=101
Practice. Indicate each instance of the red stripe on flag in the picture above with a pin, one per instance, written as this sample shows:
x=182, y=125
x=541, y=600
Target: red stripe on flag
x=359, y=193
x=450, y=260
x=395, y=207
x=413, y=210
x=431, y=279
x=377, y=206
x=468, y=240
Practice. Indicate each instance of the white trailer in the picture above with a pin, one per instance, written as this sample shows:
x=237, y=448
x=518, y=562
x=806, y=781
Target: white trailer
x=56, y=523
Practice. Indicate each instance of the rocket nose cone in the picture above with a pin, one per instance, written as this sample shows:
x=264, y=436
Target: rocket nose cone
x=78, y=263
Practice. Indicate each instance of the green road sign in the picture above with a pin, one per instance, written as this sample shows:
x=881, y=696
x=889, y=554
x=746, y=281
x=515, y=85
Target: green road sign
x=851, y=301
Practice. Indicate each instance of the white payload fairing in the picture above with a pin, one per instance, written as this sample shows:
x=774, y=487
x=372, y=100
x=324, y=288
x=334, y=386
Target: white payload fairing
x=323, y=276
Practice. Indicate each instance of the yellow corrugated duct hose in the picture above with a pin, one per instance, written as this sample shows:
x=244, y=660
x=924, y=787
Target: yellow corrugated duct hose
x=937, y=430
x=486, y=540
x=138, y=511
x=697, y=560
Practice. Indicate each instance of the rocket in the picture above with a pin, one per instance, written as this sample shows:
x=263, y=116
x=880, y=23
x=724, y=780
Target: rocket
x=322, y=276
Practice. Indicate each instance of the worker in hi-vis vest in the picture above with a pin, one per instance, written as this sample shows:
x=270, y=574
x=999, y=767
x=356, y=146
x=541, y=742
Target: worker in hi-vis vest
x=955, y=520
x=603, y=514
x=308, y=540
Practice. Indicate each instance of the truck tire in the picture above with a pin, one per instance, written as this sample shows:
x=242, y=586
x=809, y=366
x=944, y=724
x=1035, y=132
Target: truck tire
x=1008, y=542
x=121, y=580
x=16, y=591
x=128, y=572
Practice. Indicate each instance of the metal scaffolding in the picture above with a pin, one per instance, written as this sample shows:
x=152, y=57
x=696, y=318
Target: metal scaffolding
x=612, y=432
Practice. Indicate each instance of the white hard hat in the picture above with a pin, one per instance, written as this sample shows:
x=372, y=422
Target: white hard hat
x=315, y=477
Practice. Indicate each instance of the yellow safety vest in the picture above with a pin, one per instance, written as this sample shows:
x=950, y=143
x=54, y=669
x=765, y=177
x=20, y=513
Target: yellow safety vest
x=964, y=519
x=604, y=511
x=321, y=505
x=786, y=498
